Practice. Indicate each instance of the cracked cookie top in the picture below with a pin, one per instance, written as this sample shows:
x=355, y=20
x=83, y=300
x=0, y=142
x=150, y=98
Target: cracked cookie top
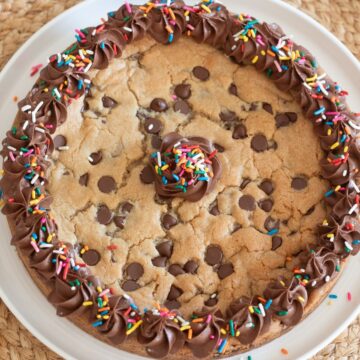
x=140, y=258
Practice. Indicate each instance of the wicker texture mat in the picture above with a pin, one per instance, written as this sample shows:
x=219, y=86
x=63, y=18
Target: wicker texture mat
x=19, y=19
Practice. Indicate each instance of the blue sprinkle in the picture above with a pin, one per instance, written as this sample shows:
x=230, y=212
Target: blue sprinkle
x=111, y=13
x=268, y=304
x=284, y=67
x=176, y=177
x=104, y=312
x=356, y=242
x=274, y=49
x=78, y=38
x=319, y=111
x=273, y=231
x=97, y=323
x=164, y=180
x=333, y=296
x=327, y=194
x=171, y=38
x=53, y=261
x=80, y=84
x=203, y=178
x=133, y=306
x=34, y=236
x=102, y=45
x=222, y=346
x=343, y=138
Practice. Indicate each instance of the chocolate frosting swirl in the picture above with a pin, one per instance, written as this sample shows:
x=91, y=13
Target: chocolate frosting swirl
x=198, y=189
x=250, y=325
x=160, y=335
x=341, y=202
x=288, y=300
x=206, y=334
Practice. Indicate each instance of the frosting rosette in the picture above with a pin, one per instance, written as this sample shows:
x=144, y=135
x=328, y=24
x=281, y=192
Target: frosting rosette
x=185, y=167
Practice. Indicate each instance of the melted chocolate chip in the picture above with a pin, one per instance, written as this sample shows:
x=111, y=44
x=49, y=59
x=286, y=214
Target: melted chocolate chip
x=159, y=105
x=159, y=261
x=119, y=221
x=267, y=187
x=156, y=142
x=213, y=255
x=106, y=184
x=183, y=91
x=299, y=183
x=266, y=204
x=282, y=120
x=233, y=89
x=84, y=179
x=214, y=210
x=310, y=211
x=147, y=175
x=182, y=106
x=259, y=143
x=174, y=292
x=292, y=116
x=168, y=221
x=176, y=270
x=225, y=270
x=270, y=223
x=103, y=215
x=276, y=242
x=191, y=267
x=219, y=148
x=91, y=257
x=109, y=102
x=153, y=126
x=130, y=285
x=228, y=116
x=247, y=202
x=201, y=73
x=126, y=207
x=240, y=132
x=59, y=141
x=211, y=302
x=268, y=108
x=245, y=183
x=135, y=271
x=172, y=305
x=95, y=157
x=165, y=248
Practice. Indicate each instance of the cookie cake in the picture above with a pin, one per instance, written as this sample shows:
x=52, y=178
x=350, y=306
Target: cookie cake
x=183, y=181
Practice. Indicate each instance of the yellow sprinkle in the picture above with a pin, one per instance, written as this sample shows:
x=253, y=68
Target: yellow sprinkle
x=334, y=146
x=251, y=309
x=33, y=195
x=172, y=15
x=186, y=327
x=301, y=298
x=282, y=283
x=329, y=132
x=312, y=79
x=165, y=167
x=263, y=53
x=99, y=289
x=130, y=331
x=105, y=317
x=252, y=33
x=87, y=303
x=284, y=58
x=187, y=12
x=49, y=238
x=338, y=188
x=255, y=59
x=46, y=90
x=206, y=8
x=241, y=17
x=346, y=149
x=237, y=333
x=223, y=331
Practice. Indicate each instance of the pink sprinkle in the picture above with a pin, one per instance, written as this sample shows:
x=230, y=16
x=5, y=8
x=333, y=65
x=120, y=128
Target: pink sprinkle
x=34, y=245
x=212, y=337
x=181, y=173
x=259, y=40
x=35, y=69
x=174, y=97
x=80, y=33
x=128, y=7
x=12, y=157
x=106, y=291
x=58, y=270
x=332, y=113
x=172, y=22
x=28, y=153
x=349, y=296
x=43, y=220
x=208, y=319
x=49, y=126
x=190, y=27
x=278, y=66
x=191, y=182
x=131, y=320
x=189, y=8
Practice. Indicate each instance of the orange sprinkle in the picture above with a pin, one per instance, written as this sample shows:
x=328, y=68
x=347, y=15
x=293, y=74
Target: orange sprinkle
x=199, y=320
x=271, y=53
x=104, y=309
x=284, y=351
x=190, y=334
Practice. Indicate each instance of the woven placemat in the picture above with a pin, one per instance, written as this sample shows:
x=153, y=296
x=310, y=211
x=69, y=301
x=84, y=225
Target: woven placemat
x=19, y=19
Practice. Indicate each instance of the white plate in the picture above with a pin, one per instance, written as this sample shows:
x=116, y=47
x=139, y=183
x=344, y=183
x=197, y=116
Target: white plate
x=16, y=287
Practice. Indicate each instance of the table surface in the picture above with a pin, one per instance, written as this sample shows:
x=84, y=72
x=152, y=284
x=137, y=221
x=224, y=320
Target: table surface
x=19, y=19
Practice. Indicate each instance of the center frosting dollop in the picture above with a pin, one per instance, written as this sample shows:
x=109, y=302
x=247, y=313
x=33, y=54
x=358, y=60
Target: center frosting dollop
x=185, y=167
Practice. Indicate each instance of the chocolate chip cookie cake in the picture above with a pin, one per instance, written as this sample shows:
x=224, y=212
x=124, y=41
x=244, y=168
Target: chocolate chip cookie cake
x=182, y=181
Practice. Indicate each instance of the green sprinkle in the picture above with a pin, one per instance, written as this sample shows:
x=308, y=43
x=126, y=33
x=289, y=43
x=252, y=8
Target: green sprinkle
x=13, y=130
x=282, y=313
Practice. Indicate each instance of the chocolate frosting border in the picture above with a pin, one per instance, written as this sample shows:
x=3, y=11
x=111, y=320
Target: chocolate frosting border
x=247, y=41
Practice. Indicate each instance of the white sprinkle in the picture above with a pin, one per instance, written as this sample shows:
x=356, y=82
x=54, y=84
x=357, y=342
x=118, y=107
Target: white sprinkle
x=327, y=278
x=133, y=313
x=58, y=57
x=261, y=307
x=127, y=29
x=26, y=108
x=158, y=159
x=33, y=180
x=331, y=239
x=71, y=65
x=81, y=54
x=88, y=67
x=90, y=52
x=177, y=144
x=42, y=183
x=73, y=288
x=353, y=185
x=61, y=252
x=348, y=246
x=168, y=3
x=11, y=148
x=72, y=262
x=344, y=173
x=57, y=93
x=38, y=106
x=322, y=76
x=45, y=246
x=63, y=148
x=90, y=159
x=313, y=283
x=213, y=296
x=41, y=130
x=249, y=325
x=357, y=127
x=87, y=81
x=354, y=207
x=151, y=126
x=323, y=90
x=126, y=296
x=233, y=47
x=307, y=85
x=94, y=32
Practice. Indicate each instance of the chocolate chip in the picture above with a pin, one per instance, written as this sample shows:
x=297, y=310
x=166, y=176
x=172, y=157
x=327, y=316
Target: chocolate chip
x=119, y=221
x=213, y=255
x=253, y=107
x=235, y=228
x=106, y=184
x=130, y=285
x=225, y=270
x=103, y=215
x=267, y=187
x=147, y=175
x=85, y=106
x=245, y=183
x=84, y=179
x=191, y=267
x=268, y=108
x=233, y=89
x=310, y=211
x=266, y=204
x=126, y=207
x=259, y=143
x=168, y=221
x=183, y=91
x=247, y=202
x=211, y=302
x=201, y=73
x=299, y=183
x=182, y=106
x=59, y=141
x=214, y=210
x=292, y=116
x=159, y=261
x=172, y=305
x=228, y=116
x=165, y=248
x=159, y=105
x=91, y=257
x=276, y=242
x=95, y=157
x=152, y=126
x=219, y=148
x=282, y=120
x=135, y=271
x=176, y=269
x=174, y=293
x=109, y=102
x=271, y=223
x=156, y=142
x=239, y=132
